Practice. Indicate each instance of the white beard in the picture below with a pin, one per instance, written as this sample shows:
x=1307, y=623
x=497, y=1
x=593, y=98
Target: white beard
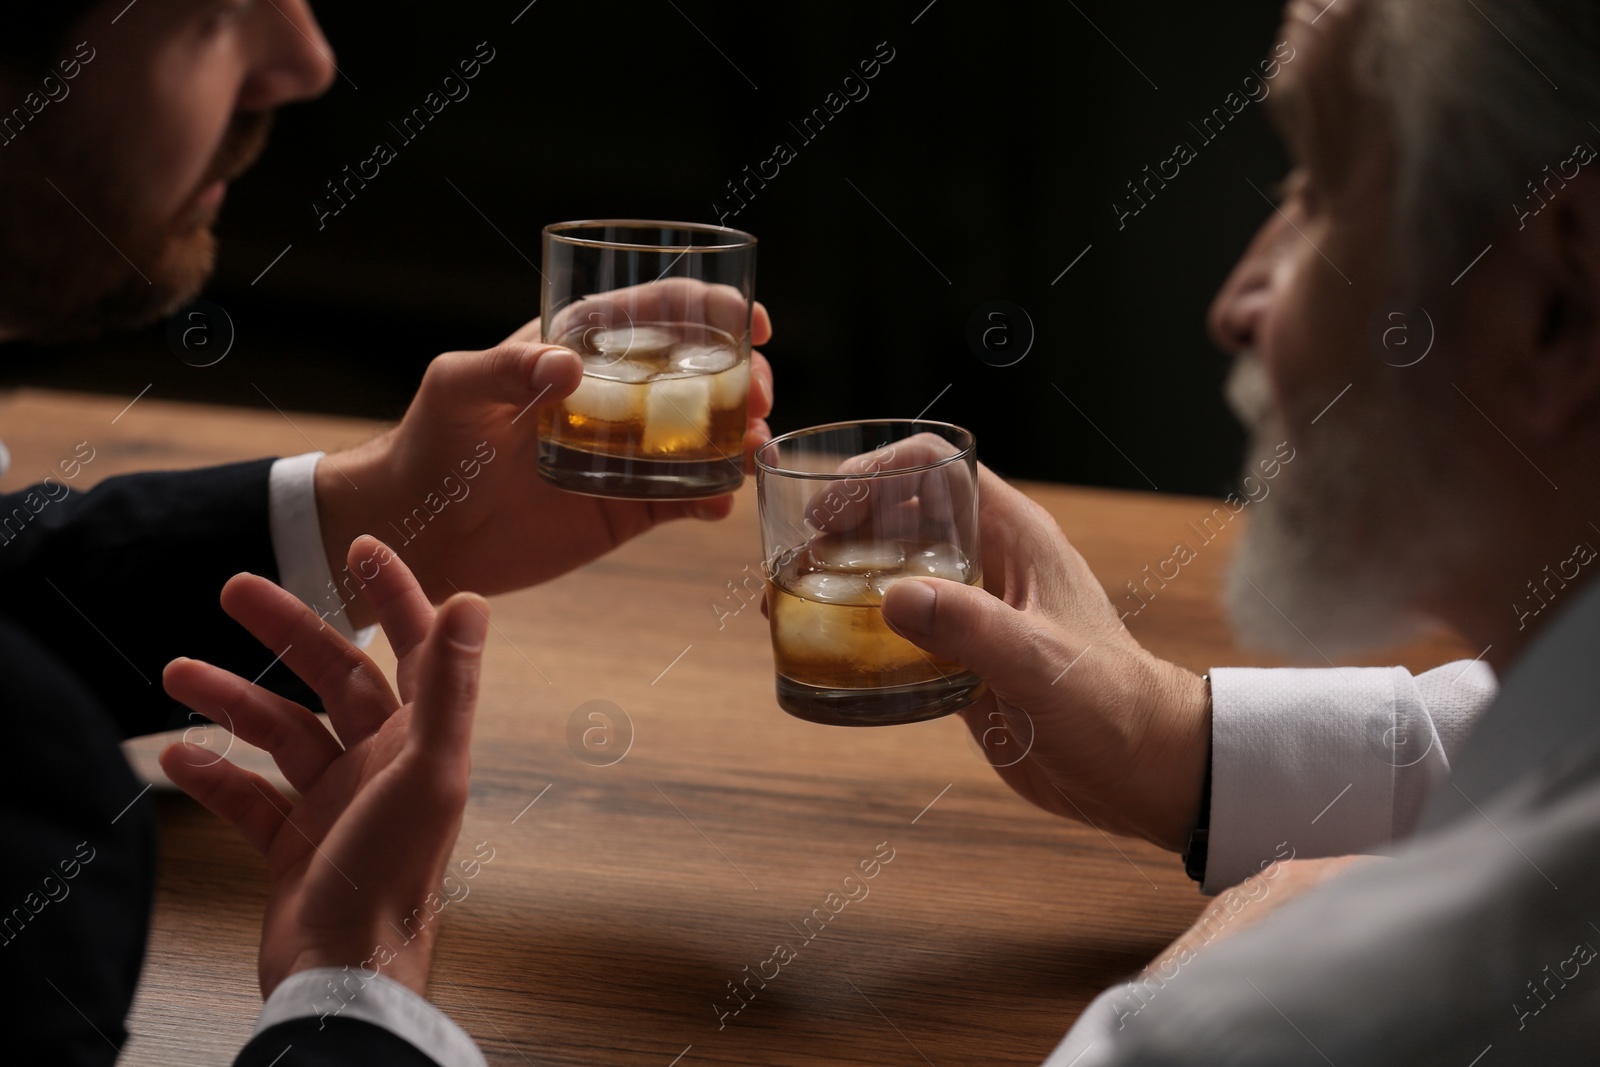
x=1319, y=572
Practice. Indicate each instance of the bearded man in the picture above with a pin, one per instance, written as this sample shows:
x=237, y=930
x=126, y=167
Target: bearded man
x=1441, y=157
x=121, y=126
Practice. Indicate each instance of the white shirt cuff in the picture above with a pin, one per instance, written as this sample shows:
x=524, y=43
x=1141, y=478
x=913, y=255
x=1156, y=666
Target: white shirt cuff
x=339, y=992
x=1299, y=763
x=297, y=544
x=1329, y=762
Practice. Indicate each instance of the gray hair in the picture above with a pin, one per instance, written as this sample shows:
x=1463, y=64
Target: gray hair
x=1483, y=95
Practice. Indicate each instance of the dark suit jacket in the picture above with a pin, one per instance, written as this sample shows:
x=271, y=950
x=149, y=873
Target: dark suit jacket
x=98, y=591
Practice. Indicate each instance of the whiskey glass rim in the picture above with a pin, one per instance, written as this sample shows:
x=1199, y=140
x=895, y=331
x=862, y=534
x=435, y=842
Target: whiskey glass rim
x=965, y=441
x=568, y=233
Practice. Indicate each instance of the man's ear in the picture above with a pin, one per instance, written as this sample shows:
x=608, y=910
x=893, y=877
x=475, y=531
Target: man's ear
x=1558, y=388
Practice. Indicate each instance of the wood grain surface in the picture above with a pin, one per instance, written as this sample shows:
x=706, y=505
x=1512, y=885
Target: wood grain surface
x=640, y=869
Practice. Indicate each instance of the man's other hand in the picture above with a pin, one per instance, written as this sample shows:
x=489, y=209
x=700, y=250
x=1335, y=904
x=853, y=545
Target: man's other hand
x=353, y=861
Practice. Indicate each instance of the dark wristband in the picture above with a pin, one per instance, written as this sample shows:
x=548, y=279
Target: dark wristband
x=1194, y=857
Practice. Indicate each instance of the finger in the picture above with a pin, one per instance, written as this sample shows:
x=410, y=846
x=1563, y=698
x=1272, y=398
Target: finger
x=756, y=434
x=248, y=802
x=706, y=509
x=917, y=450
x=723, y=307
x=397, y=599
x=761, y=388
x=760, y=324
x=517, y=372
x=447, y=684
x=712, y=509
x=730, y=311
x=352, y=688
x=974, y=628
x=843, y=505
x=300, y=745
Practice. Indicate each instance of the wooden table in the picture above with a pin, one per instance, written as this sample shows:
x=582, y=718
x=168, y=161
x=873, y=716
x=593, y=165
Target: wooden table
x=622, y=899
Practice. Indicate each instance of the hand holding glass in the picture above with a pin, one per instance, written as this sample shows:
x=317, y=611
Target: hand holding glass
x=847, y=510
x=660, y=314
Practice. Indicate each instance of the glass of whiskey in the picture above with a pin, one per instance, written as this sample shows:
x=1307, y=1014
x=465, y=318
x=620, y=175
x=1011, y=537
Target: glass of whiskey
x=660, y=314
x=847, y=510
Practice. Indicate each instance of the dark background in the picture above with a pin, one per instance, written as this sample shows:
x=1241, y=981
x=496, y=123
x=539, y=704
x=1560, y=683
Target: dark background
x=983, y=162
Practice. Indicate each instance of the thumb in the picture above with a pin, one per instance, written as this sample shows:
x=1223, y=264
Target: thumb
x=515, y=372
x=978, y=630
x=447, y=680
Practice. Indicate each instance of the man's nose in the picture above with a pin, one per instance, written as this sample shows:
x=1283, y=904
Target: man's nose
x=1240, y=305
x=293, y=59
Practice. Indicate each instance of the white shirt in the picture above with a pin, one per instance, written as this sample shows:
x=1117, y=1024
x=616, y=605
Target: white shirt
x=1474, y=944
x=297, y=543
x=337, y=992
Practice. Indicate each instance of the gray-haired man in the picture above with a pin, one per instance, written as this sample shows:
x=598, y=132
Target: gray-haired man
x=1441, y=163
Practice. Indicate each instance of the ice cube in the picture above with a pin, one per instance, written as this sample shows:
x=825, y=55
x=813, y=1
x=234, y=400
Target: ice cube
x=690, y=358
x=642, y=344
x=617, y=370
x=827, y=587
x=815, y=632
x=729, y=388
x=938, y=560
x=607, y=401
x=677, y=415
x=859, y=557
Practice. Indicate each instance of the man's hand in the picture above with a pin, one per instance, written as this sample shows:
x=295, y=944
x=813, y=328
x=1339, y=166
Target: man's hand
x=462, y=467
x=1113, y=735
x=380, y=803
